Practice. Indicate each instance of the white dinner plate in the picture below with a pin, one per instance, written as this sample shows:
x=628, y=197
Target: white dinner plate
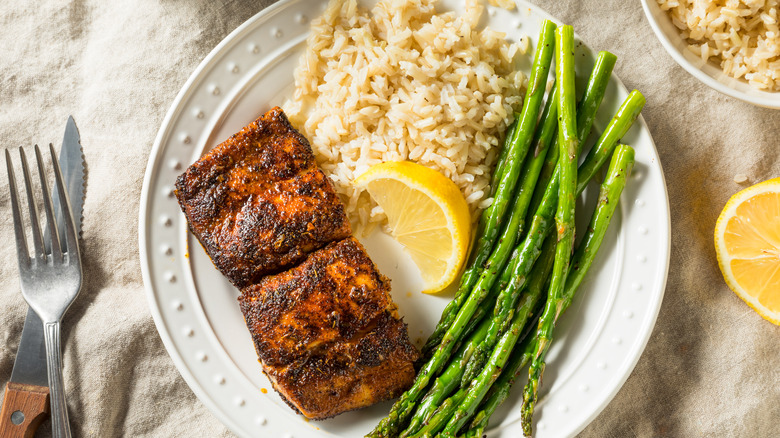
x=598, y=340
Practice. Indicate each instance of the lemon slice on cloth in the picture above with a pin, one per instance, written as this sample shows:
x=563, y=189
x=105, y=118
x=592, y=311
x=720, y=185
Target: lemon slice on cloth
x=747, y=242
x=426, y=213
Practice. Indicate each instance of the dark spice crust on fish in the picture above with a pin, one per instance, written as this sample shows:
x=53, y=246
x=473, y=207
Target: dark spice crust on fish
x=327, y=332
x=258, y=203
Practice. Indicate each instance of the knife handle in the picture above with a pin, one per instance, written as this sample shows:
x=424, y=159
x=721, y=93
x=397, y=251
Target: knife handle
x=24, y=407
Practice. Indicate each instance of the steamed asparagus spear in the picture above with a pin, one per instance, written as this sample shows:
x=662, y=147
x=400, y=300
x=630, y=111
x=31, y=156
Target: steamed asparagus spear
x=564, y=216
x=620, y=167
x=534, y=291
x=542, y=222
x=454, y=326
x=441, y=416
x=598, y=155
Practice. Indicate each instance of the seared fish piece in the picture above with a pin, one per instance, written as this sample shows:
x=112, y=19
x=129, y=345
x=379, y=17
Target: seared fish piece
x=258, y=203
x=327, y=332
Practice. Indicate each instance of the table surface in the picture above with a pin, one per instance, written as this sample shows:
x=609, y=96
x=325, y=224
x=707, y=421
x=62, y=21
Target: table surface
x=709, y=369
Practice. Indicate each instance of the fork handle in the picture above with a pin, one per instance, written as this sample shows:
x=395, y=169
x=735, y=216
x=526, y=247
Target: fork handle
x=24, y=407
x=59, y=409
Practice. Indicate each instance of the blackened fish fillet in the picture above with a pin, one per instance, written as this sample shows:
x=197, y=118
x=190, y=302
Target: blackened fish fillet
x=258, y=203
x=327, y=332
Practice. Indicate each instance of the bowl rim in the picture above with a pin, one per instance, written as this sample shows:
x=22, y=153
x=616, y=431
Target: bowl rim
x=771, y=100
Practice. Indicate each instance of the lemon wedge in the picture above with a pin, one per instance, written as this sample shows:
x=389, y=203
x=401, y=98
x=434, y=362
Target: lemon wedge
x=426, y=213
x=747, y=243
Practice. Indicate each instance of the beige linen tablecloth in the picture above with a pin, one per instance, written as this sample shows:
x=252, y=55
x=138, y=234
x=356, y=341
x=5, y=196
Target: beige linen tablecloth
x=709, y=369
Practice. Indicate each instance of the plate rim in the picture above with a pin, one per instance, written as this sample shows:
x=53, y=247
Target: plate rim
x=154, y=163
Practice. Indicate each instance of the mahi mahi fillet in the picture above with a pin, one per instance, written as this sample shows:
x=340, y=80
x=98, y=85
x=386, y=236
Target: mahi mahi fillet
x=258, y=203
x=327, y=332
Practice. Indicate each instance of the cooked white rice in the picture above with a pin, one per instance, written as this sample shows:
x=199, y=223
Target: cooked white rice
x=402, y=82
x=741, y=35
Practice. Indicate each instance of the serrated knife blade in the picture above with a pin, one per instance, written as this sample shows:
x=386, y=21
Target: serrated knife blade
x=30, y=364
x=72, y=164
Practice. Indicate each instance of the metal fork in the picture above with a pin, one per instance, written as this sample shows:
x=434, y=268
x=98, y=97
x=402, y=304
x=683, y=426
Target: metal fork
x=50, y=281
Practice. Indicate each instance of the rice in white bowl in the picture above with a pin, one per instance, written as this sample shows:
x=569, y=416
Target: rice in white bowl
x=403, y=82
x=741, y=35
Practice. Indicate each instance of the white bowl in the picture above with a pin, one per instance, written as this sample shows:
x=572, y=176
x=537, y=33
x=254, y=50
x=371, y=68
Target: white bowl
x=707, y=72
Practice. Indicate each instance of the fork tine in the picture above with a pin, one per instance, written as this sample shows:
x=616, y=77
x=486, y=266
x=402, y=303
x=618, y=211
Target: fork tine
x=21, y=242
x=71, y=241
x=56, y=250
x=34, y=223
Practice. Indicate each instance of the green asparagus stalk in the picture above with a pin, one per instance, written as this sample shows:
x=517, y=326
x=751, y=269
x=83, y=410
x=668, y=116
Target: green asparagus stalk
x=404, y=407
x=530, y=173
x=617, y=128
x=619, y=170
x=514, y=231
x=564, y=216
x=487, y=305
x=498, y=172
x=586, y=113
x=594, y=93
x=491, y=219
x=447, y=381
x=620, y=167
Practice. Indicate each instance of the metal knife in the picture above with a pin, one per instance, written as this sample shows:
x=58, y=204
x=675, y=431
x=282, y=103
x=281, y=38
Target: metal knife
x=26, y=396
x=72, y=165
